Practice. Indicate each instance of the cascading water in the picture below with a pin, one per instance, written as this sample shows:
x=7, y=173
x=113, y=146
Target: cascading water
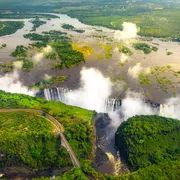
x=62, y=95
x=56, y=94
x=105, y=126
x=112, y=105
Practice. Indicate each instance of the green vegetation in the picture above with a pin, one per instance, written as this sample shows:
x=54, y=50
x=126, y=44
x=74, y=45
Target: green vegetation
x=143, y=47
x=152, y=22
x=38, y=44
x=100, y=57
x=68, y=26
x=84, y=48
x=72, y=28
x=176, y=39
x=125, y=50
x=78, y=128
x=51, y=55
x=25, y=15
x=49, y=82
x=108, y=50
x=3, y=46
x=28, y=65
x=63, y=51
x=62, y=45
x=144, y=79
x=74, y=173
x=163, y=81
x=36, y=37
x=47, y=36
x=67, y=55
x=20, y=51
x=148, y=140
x=155, y=18
x=162, y=171
x=37, y=23
x=2, y=26
x=166, y=170
x=169, y=53
x=28, y=139
x=154, y=48
x=6, y=67
x=10, y=27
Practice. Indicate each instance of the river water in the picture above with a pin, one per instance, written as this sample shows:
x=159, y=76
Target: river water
x=109, y=67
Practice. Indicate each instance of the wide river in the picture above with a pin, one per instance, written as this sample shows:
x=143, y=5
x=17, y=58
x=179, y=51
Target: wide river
x=109, y=67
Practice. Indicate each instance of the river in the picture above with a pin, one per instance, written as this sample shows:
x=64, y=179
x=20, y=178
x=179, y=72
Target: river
x=109, y=67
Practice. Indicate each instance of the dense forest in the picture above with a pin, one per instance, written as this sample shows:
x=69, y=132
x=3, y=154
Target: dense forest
x=20, y=51
x=27, y=139
x=62, y=45
x=10, y=27
x=148, y=140
x=72, y=118
x=149, y=144
x=155, y=18
x=72, y=28
x=37, y=23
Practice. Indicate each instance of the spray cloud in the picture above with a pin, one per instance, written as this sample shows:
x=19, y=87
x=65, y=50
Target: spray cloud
x=94, y=90
x=11, y=82
x=138, y=69
x=129, y=32
x=39, y=56
x=134, y=104
x=123, y=58
x=172, y=108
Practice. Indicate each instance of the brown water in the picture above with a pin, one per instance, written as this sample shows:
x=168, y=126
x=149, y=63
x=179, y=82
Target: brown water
x=109, y=67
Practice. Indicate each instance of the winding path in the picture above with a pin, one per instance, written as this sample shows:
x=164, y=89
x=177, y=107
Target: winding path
x=58, y=125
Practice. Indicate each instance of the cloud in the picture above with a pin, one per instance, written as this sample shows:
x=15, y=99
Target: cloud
x=47, y=77
x=134, y=104
x=129, y=32
x=94, y=90
x=171, y=108
x=123, y=58
x=138, y=69
x=18, y=65
x=37, y=58
x=11, y=82
x=47, y=49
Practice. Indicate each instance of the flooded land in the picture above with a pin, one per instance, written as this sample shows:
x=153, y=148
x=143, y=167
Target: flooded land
x=117, y=66
x=154, y=74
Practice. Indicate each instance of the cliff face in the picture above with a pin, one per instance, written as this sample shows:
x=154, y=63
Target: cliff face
x=102, y=122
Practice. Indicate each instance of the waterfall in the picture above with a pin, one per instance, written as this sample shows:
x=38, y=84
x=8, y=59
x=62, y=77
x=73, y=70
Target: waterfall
x=112, y=104
x=61, y=94
x=56, y=94
x=47, y=94
x=163, y=109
